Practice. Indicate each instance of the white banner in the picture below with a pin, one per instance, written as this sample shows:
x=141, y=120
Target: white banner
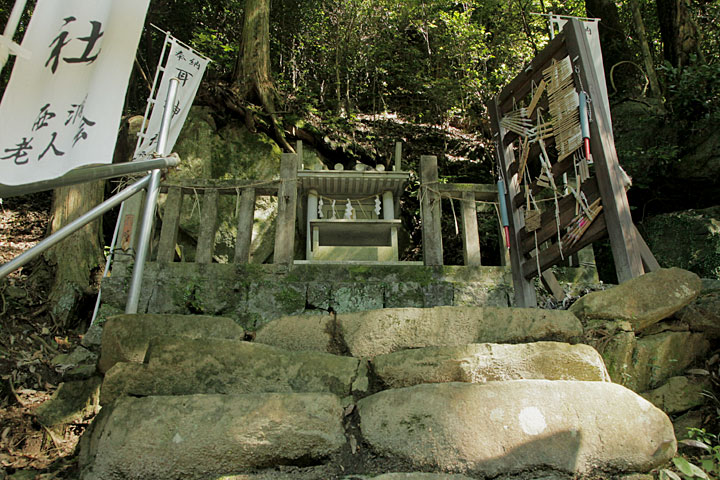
x=188, y=66
x=62, y=108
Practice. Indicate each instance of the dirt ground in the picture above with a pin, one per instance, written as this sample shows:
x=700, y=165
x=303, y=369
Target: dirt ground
x=29, y=339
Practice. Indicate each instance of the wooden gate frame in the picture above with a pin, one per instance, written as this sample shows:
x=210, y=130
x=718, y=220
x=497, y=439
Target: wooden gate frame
x=631, y=255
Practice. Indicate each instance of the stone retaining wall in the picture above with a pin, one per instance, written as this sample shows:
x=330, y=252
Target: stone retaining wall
x=252, y=295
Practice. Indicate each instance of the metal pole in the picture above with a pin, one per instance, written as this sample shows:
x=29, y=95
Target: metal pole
x=11, y=28
x=108, y=262
x=150, y=204
x=88, y=174
x=71, y=228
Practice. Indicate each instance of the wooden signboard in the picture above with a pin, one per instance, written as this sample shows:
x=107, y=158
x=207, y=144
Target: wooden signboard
x=557, y=158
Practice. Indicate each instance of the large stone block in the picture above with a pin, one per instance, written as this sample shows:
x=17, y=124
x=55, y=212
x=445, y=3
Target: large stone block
x=179, y=366
x=300, y=332
x=72, y=402
x=642, y=301
x=125, y=338
x=507, y=427
x=407, y=294
x=411, y=476
x=646, y=362
x=659, y=357
x=481, y=363
x=357, y=297
x=206, y=436
x=703, y=315
x=480, y=295
x=268, y=300
x=377, y=332
x=679, y=394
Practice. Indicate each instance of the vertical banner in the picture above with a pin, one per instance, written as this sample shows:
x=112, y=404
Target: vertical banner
x=188, y=66
x=62, y=107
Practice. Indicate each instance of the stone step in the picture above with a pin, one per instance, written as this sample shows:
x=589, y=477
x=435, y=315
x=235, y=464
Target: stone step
x=488, y=362
x=184, y=366
x=206, y=436
x=507, y=427
x=377, y=332
x=125, y=338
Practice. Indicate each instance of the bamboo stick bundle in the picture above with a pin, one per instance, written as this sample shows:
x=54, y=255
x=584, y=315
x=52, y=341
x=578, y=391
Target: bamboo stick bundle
x=564, y=107
x=518, y=122
x=579, y=225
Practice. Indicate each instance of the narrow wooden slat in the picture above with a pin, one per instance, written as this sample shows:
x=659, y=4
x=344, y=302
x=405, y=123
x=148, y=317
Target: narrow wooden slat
x=471, y=238
x=431, y=229
x=621, y=230
x=224, y=187
x=525, y=295
x=558, y=169
x=650, y=263
x=521, y=85
x=170, y=225
x=552, y=285
x=287, y=210
x=567, y=213
x=551, y=256
x=246, y=217
x=208, y=225
x=481, y=192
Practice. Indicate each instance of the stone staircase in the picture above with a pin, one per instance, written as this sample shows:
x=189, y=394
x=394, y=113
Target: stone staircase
x=412, y=393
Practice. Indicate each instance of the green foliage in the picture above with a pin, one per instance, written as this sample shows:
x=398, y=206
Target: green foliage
x=694, y=91
x=703, y=466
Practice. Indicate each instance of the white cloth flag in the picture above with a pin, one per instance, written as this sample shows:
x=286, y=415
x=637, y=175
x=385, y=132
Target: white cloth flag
x=187, y=66
x=63, y=106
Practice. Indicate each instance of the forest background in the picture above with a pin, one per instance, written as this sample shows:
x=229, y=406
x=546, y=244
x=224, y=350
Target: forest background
x=349, y=78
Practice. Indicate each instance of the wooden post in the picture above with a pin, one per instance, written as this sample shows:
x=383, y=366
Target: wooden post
x=525, y=295
x=621, y=230
x=127, y=236
x=208, y=225
x=170, y=225
x=299, y=151
x=398, y=156
x=430, y=211
x=312, y=214
x=287, y=204
x=246, y=218
x=471, y=238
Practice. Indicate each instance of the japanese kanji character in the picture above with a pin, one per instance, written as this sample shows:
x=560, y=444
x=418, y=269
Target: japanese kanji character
x=59, y=42
x=183, y=76
x=195, y=63
x=43, y=117
x=176, y=109
x=91, y=40
x=52, y=146
x=76, y=111
x=19, y=153
x=62, y=40
x=180, y=55
x=82, y=134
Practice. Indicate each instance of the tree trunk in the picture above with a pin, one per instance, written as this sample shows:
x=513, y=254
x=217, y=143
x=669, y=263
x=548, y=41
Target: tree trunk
x=612, y=37
x=678, y=31
x=645, y=49
x=252, y=75
x=80, y=254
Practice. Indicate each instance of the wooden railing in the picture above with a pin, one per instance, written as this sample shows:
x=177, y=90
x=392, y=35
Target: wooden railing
x=431, y=194
x=286, y=190
x=211, y=190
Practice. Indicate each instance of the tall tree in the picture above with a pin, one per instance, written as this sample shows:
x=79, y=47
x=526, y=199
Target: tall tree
x=252, y=71
x=612, y=34
x=645, y=49
x=78, y=255
x=679, y=32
